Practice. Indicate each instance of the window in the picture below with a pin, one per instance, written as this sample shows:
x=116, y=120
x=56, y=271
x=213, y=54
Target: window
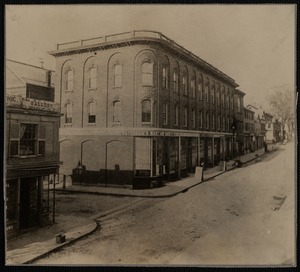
x=175, y=81
x=207, y=120
x=176, y=115
x=185, y=116
x=239, y=104
x=200, y=89
x=118, y=75
x=92, y=113
x=232, y=102
x=11, y=200
x=218, y=98
x=28, y=139
x=200, y=119
x=213, y=95
x=92, y=78
x=147, y=74
x=14, y=139
x=146, y=111
x=165, y=78
x=228, y=123
x=42, y=142
x=223, y=99
x=193, y=118
x=117, y=112
x=213, y=121
x=165, y=113
x=193, y=88
x=219, y=122
x=227, y=102
x=206, y=92
x=68, y=113
x=223, y=123
x=69, y=80
x=184, y=87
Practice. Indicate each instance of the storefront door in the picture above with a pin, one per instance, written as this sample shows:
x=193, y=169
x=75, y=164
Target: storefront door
x=28, y=203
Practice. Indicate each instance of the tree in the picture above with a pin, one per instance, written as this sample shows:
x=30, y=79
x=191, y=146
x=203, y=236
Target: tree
x=282, y=106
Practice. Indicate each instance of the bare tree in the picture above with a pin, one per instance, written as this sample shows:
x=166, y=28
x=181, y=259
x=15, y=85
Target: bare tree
x=282, y=105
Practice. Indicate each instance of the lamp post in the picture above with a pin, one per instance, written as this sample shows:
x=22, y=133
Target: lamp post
x=79, y=171
x=233, y=140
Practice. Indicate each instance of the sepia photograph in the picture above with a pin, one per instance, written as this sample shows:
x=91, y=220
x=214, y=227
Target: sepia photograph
x=150, y=135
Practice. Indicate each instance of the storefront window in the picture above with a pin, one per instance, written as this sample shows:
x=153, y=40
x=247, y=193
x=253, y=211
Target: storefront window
x=28, y=139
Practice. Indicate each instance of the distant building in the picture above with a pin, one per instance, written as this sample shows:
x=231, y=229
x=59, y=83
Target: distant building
x=137, y=107
x=29, y=81
x=239, y=122
x=249, y=131
x=31, y=146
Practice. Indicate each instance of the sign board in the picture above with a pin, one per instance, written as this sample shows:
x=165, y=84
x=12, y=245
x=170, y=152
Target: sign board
x=27, y=103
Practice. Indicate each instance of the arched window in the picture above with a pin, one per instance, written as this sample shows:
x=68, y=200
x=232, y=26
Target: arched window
x=92, y=113
x=213, y=94
x=193, y=91
x=185, y=116
x=69, y=80
x=117, y=75
x=165, y=113
x=68, y=113
x=193, y=120
x=146, y=111
x=201, y=119
x=219, y=122
x=184, y=87
x=147, y=74
x=223, y=97
x=165, y=78
x=175, y=80
x=176, y=115
x=207, y=120
x=200, y=89
x=92, y=77
x=206, y=91
x=117, y=112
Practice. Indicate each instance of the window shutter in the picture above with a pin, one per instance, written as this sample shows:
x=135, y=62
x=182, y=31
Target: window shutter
x=14, y=139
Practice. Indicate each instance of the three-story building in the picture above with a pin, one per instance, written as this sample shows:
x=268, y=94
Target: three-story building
x=137, y=106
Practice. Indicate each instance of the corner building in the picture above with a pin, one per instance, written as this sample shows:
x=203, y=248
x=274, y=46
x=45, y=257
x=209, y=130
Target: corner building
x=137, y=107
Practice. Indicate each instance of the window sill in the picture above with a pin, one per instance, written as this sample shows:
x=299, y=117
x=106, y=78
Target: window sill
x=67, y=125
x=91, y=124
x=26, y=156
x=92, y=89
x=147, y=85
x=68, y=91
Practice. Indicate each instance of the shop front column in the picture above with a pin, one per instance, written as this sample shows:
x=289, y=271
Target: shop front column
x=212, y=150
x=179, y=157
x=199, y=155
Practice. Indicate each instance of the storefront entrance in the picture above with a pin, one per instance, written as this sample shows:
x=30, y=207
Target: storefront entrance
x=28, y=203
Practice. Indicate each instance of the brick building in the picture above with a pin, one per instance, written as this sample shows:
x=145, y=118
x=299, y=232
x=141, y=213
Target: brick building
x=137, y=106
x=31, y=146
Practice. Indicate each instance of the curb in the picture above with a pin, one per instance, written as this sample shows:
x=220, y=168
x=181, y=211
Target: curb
x=97, y=226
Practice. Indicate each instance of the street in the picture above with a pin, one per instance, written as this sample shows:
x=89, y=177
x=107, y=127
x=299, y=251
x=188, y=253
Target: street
x=243, y=217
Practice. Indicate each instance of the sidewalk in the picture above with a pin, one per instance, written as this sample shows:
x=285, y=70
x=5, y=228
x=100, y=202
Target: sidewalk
x=32, y=252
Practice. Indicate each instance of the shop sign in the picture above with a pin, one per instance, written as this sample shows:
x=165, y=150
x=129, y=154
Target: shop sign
x=32, y=172
x=18, y=101
x=149, y=133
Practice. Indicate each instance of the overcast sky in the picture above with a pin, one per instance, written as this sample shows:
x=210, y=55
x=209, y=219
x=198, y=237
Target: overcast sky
x=254, y=44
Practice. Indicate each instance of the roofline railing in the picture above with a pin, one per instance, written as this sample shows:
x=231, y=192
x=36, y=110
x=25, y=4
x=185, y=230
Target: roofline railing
x=134, y=34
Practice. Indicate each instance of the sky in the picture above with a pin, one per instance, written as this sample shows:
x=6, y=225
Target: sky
x=253, y=44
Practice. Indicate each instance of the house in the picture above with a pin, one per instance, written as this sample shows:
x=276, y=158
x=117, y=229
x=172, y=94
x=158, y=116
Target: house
x=31, y=146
